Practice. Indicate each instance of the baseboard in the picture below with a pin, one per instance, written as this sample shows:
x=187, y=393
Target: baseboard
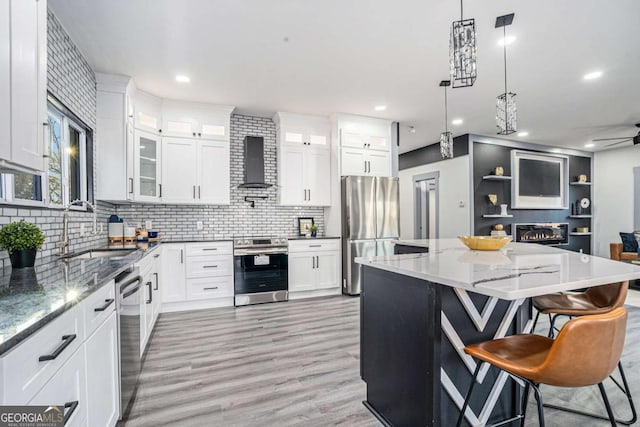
x=172, y=307
x=316, y=293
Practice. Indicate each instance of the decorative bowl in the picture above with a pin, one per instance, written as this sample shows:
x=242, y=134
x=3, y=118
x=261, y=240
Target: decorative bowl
x=485, y=243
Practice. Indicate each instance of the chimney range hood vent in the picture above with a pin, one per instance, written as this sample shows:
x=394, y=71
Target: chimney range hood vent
x=254, y=163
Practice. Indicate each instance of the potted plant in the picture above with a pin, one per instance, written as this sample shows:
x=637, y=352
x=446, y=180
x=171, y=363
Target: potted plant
x=22, y=240
x=314, y=230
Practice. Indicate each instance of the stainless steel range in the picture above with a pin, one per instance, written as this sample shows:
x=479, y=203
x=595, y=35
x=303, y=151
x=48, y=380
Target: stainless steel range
x=261, y=269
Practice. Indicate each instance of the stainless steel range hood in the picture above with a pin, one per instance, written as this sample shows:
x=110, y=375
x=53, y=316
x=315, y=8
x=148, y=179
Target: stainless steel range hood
x=254, y=163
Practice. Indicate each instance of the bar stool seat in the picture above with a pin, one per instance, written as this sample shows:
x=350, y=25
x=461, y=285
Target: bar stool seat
x=586, y=351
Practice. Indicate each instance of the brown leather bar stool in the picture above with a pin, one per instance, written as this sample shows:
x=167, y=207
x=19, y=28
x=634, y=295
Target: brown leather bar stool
x=596, y=300
x=585, y=353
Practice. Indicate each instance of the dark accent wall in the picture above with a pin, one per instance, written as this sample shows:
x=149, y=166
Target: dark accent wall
x=487, y=156
x=431, y=153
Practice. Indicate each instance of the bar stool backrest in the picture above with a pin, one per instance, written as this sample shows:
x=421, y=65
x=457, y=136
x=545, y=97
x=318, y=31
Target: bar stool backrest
x=612, y=295
x=586, y=350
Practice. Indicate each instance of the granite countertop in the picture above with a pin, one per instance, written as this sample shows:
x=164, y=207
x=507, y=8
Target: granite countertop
x=30, y=298
x=519, y=270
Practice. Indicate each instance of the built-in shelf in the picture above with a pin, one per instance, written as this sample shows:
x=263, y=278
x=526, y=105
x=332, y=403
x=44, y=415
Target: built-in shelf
x=496, y=178
x=497, y=216
x=575, y=233
x=580, y=216
x=579, y=183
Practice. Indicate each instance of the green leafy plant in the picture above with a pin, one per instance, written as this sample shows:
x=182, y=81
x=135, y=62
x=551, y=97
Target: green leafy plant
x=313, y=228
x=21, y=235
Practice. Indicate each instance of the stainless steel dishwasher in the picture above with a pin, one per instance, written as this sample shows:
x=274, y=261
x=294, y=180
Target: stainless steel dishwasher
x=128, y=307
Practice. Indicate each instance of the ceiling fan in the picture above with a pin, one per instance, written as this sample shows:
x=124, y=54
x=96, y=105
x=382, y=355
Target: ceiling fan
x=635, y=139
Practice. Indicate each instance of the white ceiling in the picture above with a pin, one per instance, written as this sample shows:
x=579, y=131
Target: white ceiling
x=351, y=55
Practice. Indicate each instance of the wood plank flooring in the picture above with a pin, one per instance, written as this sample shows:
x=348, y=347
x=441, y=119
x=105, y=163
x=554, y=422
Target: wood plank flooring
x=290, y=364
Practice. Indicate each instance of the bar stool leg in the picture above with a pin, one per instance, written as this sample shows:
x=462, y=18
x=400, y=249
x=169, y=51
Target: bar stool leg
x=603, y=392
x=536, y=389
x=535, y=322
x=525, y=400
x=468, y=397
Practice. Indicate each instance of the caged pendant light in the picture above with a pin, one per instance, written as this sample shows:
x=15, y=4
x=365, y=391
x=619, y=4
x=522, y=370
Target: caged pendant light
x=446, y=138
x=506, y=110
x=462, y=52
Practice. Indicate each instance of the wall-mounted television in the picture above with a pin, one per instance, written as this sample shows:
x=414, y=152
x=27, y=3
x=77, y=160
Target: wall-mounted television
x=540, y=181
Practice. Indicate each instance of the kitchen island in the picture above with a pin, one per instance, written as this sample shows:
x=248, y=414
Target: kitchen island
x=418, y=311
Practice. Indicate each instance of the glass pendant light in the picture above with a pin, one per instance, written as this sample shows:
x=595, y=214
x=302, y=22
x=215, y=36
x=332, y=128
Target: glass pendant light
x=462, y=51
x=446, y=138
x=506, y=110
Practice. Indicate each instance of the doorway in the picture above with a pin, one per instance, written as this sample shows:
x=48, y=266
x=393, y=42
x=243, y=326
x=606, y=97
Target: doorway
x=425, y=220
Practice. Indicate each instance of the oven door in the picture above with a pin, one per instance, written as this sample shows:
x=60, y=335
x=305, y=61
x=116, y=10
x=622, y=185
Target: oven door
x=261, y=273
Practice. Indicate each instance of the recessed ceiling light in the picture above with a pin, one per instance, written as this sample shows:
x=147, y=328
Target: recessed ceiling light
x=593, y=75
x=456, y=122
x=506, y=40
x=523, y=133
x=589, y=145
x=182, y=79
x=380, y=107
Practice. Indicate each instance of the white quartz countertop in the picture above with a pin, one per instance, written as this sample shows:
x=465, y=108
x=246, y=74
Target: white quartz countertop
x=519, y=270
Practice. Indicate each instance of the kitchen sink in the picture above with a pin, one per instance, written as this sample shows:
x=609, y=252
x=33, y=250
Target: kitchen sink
x=101, y=253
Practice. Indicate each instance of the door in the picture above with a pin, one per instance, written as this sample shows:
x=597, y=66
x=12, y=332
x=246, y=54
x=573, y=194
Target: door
x=146, y=320
x=292, y=172
x=178, y=171
x=103, y=387
x=426, y=207
x=130, y=159
x=360, y=202
x=378, y=163
x=301, y=272
x=157, y=293
x=318, y=177
x=387, y=206
x=5, y=82
x=351, y=139
x=173, y=273
x=147, y=167
x=327, y=270
x=353, y=162
x=214, y=130
x=213, y=173
x=27, y=117
x=378, y=143
x=352, y=272
x=147, y=115
x=260, y=273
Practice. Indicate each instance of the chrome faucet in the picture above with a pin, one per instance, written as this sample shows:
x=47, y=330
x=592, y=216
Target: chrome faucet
x=63, y=244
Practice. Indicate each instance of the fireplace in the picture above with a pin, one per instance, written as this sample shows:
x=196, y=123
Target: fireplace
x=546, y=234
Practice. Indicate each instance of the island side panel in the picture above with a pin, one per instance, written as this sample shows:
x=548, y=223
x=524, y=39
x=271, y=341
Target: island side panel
x=400, y=347
x=469, y=318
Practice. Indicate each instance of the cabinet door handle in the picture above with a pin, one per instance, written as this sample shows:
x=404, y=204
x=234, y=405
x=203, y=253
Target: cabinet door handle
x=317, y=261
x=181, y=256
x=107, y=303
x=209, y=249
x=130, y=185
x=160, y=185
x=309, y=194
x=199, y=192
x=209, y=266
x=194, y=134
x=365, y=166
x=194, y=191
x=150, y=300
x=211, y=288
x=156, y=256
x=72, y=408
x=156, y=288
x=315, y=246
x=199, y=134
x=313, y=262
x=66, y=340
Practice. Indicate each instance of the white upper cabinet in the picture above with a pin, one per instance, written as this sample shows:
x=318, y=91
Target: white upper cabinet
x=304, y=160
x=195, y=120
x=147, y=112
x=213, y=173
x=23, y=83
x=365, y=147
x=178, y=172
x=147, y=170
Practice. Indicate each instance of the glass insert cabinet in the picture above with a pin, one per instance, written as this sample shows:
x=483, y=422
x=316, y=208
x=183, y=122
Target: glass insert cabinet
x=147, y=167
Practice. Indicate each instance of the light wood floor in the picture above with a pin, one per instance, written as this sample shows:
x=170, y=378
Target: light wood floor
x=291, y=364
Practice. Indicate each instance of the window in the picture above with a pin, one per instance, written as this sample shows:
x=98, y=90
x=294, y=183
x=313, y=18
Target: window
x=67, y=177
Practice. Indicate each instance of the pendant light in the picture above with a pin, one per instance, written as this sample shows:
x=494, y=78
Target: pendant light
x=446, y=139
x=506, y=110
x=462, y=51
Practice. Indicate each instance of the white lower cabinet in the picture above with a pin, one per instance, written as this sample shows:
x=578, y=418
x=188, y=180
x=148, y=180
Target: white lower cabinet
x=68, y=388
x=314, y=268
x=197, y=275
x=103, y=388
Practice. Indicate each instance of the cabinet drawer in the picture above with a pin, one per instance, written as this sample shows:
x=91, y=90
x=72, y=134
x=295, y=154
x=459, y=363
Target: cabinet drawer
x=68, y=388
x=24, y=374
x=314, y=245
x=209, y=266
x=213, y=248
x=215, y=287
x=98, y=307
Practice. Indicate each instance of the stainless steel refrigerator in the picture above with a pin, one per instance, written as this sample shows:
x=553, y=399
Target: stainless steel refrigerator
x=370, y=223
